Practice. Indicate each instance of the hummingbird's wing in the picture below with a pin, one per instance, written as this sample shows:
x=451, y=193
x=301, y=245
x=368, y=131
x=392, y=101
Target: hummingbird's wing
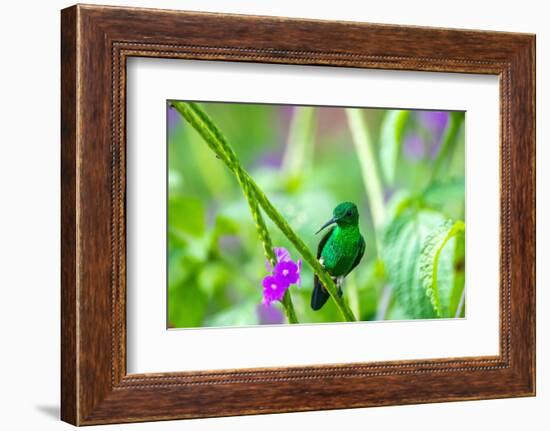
x=360, y=254
x=319, y=295
x=323, y=242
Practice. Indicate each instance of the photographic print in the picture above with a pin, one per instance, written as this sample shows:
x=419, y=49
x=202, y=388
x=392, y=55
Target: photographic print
x=284, y=214
x=225, y=232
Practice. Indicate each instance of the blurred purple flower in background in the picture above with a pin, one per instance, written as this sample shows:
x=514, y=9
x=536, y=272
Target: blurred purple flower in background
x=269, y=315
x=332, y=121
x=285, y=273
x=413, y=147
x=173, y=118
x=435, y=122
x=270, y=159
x=388, y=193
x=231, y=243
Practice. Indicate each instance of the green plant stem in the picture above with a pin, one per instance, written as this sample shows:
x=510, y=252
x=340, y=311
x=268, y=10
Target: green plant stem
x=384, y=302
x=289, y=308
x=211, y=134
x=300, y=141
x=371, y=178
x=352, y=292
x=302, y=248
x=200, y=121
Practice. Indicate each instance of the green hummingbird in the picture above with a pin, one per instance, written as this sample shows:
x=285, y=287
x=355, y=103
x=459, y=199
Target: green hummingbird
x=339, y=251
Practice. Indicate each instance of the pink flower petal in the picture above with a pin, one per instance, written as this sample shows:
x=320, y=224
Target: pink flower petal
x=282, y=254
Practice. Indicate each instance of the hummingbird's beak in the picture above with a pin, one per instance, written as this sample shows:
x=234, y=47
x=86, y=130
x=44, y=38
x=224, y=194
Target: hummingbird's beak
x=328, y=223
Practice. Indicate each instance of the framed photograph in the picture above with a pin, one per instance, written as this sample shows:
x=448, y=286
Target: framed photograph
x=265, y=215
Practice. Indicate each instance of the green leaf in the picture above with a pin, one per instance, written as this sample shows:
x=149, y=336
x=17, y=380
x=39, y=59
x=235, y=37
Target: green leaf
x=225, y=225
x=446, y=196
x=213, y=277
x=187, y=305
x=243, y=315
x=459, y=262
x=211, y=172
x=391, y=137
x=449, y=140
x=399, y=202
x=403, y=240
x=257, y=199
x=186, y=215
x=176, y=271
x=429, y=265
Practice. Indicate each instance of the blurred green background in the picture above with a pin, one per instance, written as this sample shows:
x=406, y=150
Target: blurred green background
x=306, y=160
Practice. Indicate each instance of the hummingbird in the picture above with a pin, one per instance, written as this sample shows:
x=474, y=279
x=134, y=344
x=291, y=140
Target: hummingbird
x=339, y=251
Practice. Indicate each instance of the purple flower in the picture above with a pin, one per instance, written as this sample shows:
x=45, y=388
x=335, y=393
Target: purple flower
x=173, y=118
x=274, y=289
x=269, y=315
x=285, y=273
x=434, y=120
x=413, y=147
x=271, y=159
x=281, y=254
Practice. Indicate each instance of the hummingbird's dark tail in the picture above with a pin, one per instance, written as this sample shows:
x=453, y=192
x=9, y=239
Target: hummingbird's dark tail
x=319, y=295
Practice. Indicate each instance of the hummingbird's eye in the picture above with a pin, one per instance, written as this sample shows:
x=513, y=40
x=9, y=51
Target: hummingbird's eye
x=349, y=213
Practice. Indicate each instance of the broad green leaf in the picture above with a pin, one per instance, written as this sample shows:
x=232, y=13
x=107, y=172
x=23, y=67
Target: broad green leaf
x=446, y=196
x=399, y=202
x=186, y=215
x=396, y=312
x=439, y=290
x=214, y=277
x=391, y=137
x=403, y=240
x=212, y=173
x=187, y=305
x=182, y=269
x=225, y=225
x=176, y=271
x=241, y=315
x=459, y=277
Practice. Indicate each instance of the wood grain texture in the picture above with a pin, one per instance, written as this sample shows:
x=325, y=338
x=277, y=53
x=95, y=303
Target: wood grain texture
x=96, y=41
x=68, y=217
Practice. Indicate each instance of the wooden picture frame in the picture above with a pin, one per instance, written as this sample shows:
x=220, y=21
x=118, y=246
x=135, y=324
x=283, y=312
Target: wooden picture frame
x=96, y=41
